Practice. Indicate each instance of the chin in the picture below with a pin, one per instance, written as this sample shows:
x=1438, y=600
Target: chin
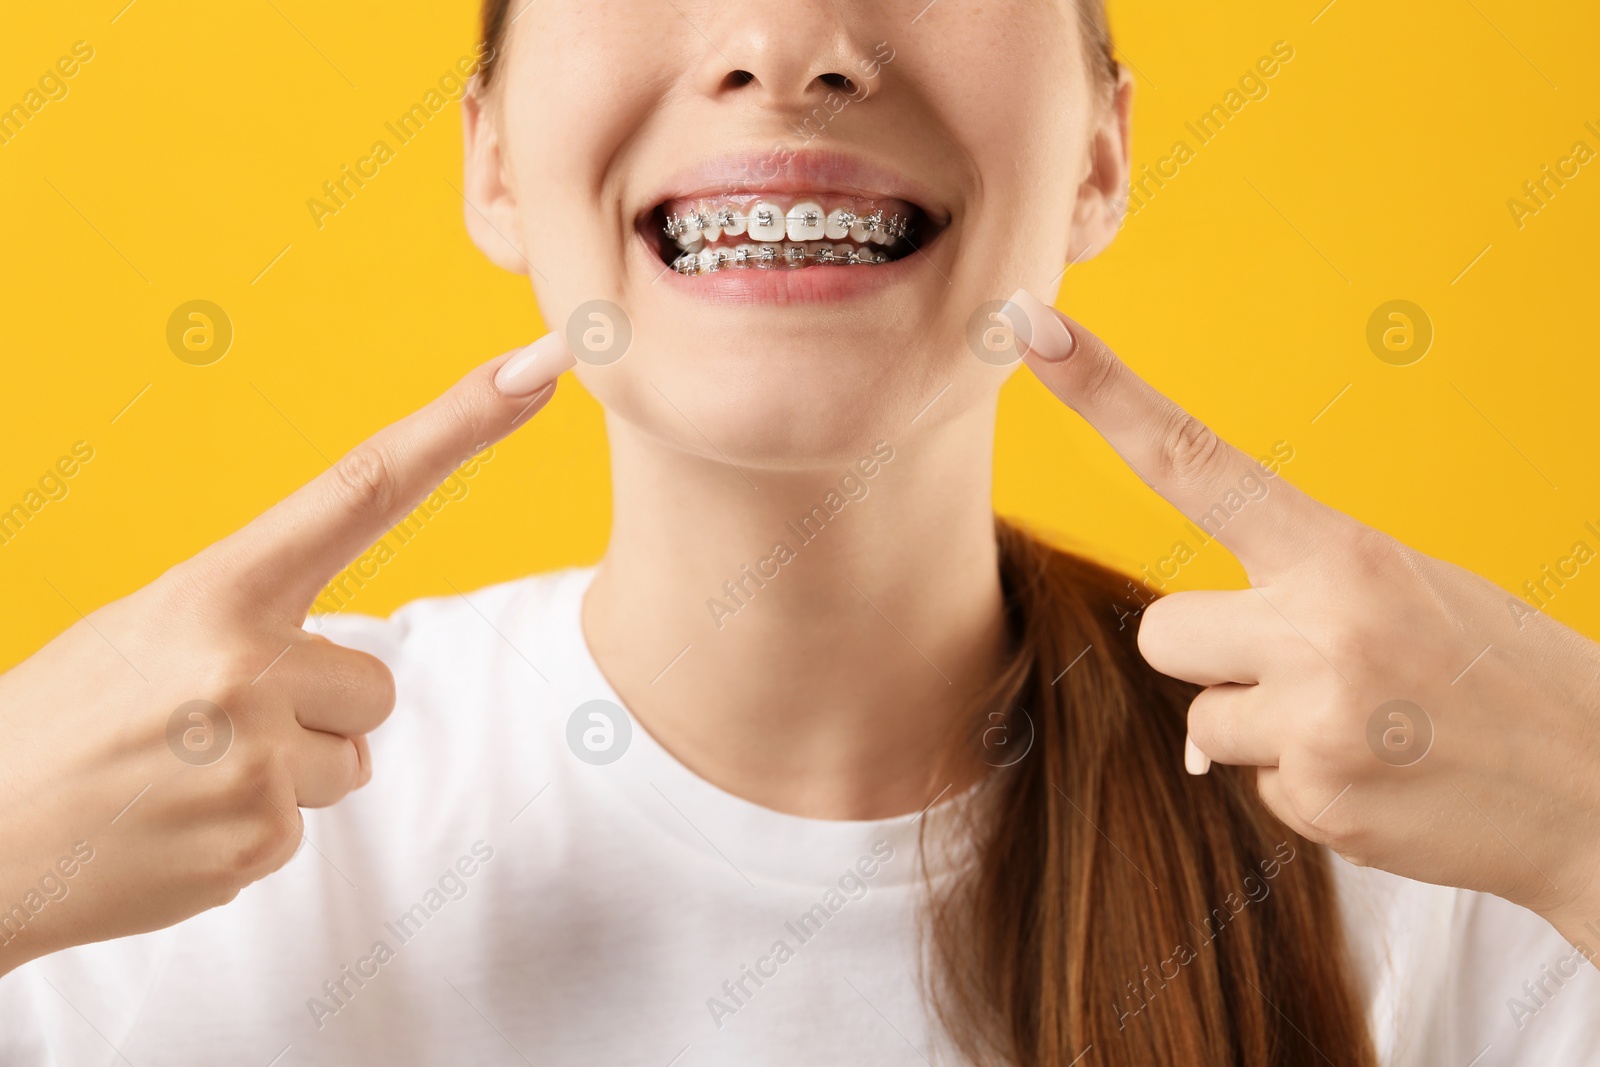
x=784, y=404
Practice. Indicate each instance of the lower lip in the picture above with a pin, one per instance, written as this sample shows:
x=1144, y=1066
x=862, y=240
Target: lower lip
x=789, y=285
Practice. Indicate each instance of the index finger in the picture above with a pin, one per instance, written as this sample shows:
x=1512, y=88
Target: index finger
x=289, y=553
x=1258, y=516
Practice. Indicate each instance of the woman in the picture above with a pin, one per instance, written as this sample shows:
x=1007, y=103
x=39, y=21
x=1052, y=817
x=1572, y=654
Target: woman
x=894, y=781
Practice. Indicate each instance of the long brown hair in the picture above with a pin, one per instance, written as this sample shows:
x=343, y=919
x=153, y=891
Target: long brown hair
x=1115, y=902
x=1116, y=905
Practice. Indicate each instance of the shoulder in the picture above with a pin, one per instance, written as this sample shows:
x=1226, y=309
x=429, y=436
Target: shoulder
x=477, y=674
x=1448, y=974
x=468, y=623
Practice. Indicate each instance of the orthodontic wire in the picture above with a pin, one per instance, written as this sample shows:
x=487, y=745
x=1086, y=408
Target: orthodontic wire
x=895, y=226
x=689, y=262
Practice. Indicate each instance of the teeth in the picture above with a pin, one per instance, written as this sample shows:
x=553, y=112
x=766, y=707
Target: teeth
x=775, y=238
x=869, y=228
x=839, y=223
x=766, y=221
x=775, y=256
x=806, y=221
x=878, y=231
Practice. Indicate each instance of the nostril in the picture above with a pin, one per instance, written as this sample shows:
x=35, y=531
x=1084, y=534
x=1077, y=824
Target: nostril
x=737, y=78
x=838, y=81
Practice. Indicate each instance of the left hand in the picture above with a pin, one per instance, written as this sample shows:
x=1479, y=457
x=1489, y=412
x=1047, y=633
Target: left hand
x=1401, y=710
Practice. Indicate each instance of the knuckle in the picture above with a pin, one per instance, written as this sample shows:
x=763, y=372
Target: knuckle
x=1323, y=727
x=1318, y=808
x=1270, y=791
x=1317, y=835
x=1189, y=448
x=1155, y=624
x=385, y=691
x=463, y=416
x=252, y=777
x=375, y=682
x=260, y=844
x=1099, y=373
x=226, y=672
x=221, y=889
x=1204, y=725
x=1302, y=808
x=365, y=479
x=191, y=597
x=1349, y=647
x=1353, y=854
x=349, y=766
x=1370, y=553
x=1343, y=836
x=364, y=688
x=355, y=768
x=1217, y=723
x=1329, y=739
x=254, y=844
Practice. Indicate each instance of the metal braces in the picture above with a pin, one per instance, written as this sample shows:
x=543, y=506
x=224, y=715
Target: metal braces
x=769, y=257
x=695, y=222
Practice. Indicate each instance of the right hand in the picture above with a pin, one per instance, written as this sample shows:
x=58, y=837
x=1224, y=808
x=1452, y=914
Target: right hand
x=158, y=815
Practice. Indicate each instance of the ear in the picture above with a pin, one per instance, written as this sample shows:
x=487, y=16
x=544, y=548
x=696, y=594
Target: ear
x=1103, y=195
x=491, y=204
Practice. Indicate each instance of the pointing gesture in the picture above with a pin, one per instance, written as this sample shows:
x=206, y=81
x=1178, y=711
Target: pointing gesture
x=166, y=742
x=288, y=554
x=1401, y=710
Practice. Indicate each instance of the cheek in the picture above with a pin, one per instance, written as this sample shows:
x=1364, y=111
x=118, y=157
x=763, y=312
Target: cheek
x=1016, y=100
x=574, y=105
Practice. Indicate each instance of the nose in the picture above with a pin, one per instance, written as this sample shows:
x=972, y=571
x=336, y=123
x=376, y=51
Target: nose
x=786, y=57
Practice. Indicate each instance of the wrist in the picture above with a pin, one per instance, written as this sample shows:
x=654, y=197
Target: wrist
x=35, y=884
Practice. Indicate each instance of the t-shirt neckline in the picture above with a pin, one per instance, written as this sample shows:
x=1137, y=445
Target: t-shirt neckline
x=752, y=841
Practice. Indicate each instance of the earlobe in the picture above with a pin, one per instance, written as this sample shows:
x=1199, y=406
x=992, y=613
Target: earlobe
x=490, y=208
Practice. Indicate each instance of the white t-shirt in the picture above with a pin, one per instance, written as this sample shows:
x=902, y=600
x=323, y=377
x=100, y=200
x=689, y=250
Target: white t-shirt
x=492, y=898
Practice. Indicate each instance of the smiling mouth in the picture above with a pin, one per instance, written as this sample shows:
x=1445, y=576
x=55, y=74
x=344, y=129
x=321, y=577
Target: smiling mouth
x=790, y=232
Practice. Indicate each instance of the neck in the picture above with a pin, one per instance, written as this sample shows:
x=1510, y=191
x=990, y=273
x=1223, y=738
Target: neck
x=810, y=642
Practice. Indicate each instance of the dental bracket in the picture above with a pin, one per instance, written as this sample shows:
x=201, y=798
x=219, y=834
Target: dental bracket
x=769, y=257
x=692, y=224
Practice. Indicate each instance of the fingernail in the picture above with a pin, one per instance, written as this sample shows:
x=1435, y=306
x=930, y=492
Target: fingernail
x=1048, y=337
x=534, y=367
x=1194, y=761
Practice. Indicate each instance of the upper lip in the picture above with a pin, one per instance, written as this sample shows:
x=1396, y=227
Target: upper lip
x=781, y=172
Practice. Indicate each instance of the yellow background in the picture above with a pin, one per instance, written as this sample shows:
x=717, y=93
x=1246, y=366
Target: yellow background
x=1379, y=167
